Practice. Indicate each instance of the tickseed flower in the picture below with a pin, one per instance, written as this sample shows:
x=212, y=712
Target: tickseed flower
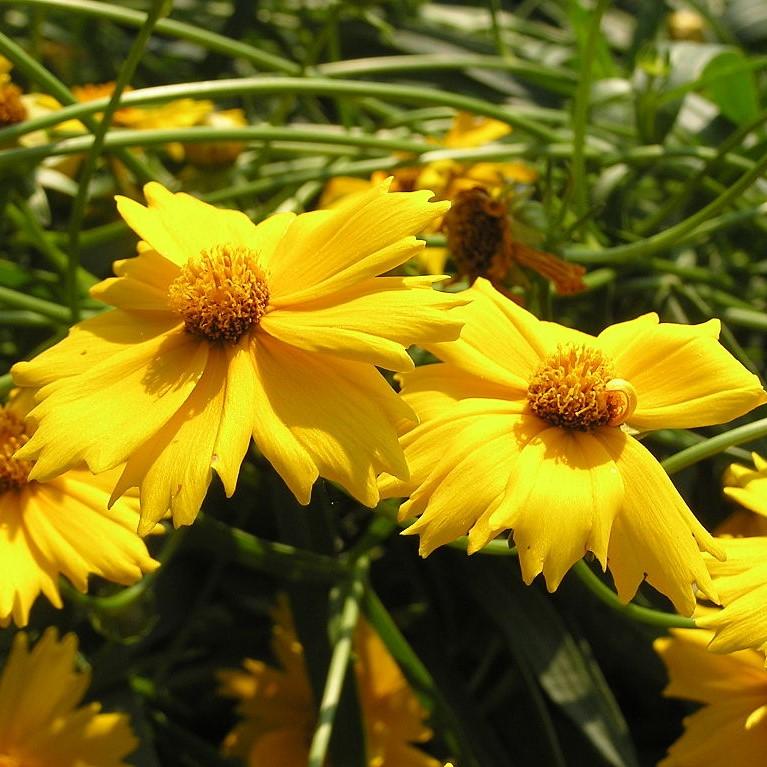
x=41, y=720
x=481, y=243
x=741, y=583
x=446, y=178
x=225, y=330
x=741, y=580
x=181, y=113
x=748, y=486
x=58, y=527
x=12, y=109
x=216, y=154
x=731, y=728
x=277, y=711
x=525, y=425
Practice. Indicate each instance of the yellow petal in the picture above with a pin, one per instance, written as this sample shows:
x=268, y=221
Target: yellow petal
x=25, y=570
x=179, y=226
x=432, y=390
x=371, y=322
x=655, y=536
x=716, y=736
x=70, y=524
x=274, y=439
x=366, y=235
x=682, y=375
x=563, y=495
x=345, y=421
x=695, y=673
x=450, y=498
x=430, y=441
x=432, y=260
x=90, y=342
x=500, y=342
x=173, y=468
x=78, y=417
x=237, y=416
x=141, y=283
x=741, y=582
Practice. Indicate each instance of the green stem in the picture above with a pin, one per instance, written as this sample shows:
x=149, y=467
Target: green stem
x=680, y=198
x=673, y=235
x=315, y=86
x=715, y=445
x=495, y=23
x=6, y=384
x=48, y=309
x=158, y=9
x=254, y=553
x=268, y=133
x=118, y=602
x=635, y=612
x=418, y=675
x=581, y=112
x=559, y=80
x=339, y=663
x=37, y=73
x=189, y=32
x=24, y=218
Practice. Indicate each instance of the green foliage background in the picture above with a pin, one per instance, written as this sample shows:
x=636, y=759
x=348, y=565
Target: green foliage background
x=651, y=153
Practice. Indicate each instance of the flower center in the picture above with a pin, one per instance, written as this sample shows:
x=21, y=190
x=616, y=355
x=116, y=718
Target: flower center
x=12, y=110
x=477, y=233
x=14, y=473
x=221, y=294
x=575, y=388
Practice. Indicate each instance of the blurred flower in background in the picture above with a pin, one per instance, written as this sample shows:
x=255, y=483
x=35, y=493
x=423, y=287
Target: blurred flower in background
x=731, y=727
x=41, y=720
x=278, y=716
x=60, y=527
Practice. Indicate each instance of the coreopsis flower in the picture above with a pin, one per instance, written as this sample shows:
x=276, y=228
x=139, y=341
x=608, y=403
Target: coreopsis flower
x=447, y=178
x=216, y=154
x=481, y=243
x=748, y=486
x=741, y=580
x=12, y=109
x=60, y=527
x=180, y=113
x=277, y=711
x=741, y=583
x=41, y=720
x=731, y=727
x=526, y=426
x=223, y=331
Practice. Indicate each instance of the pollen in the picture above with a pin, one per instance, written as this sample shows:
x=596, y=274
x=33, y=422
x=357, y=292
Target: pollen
x=14, y=473
x=221, y=294
x=576, y=388
x=12, y=110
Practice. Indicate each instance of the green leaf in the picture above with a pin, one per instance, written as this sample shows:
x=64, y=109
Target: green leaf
x=562, y=664
x=732, y=86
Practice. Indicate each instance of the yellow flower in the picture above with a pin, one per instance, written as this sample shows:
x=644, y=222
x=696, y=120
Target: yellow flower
x=226, y=330
x=731, y=728
x=12, y=108
x=58, y=527
x=741, y=583
x=213, y=154
x=521, y=429
x=481, y=242
x=41, y=721
x=446, y=178
x=277, y=709
x=748, y=486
